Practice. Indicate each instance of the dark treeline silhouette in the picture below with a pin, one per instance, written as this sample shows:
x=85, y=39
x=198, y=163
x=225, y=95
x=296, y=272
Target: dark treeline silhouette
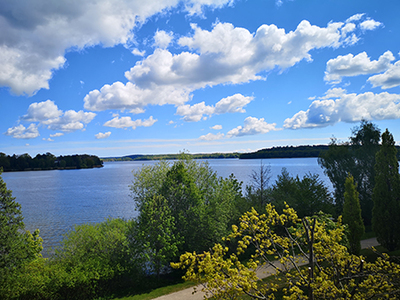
x=135, y=157
x=48, y=161
x=287, y=152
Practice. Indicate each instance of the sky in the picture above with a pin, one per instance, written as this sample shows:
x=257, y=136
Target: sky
x=121, y=77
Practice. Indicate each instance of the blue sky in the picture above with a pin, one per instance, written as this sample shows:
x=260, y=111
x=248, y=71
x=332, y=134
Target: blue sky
x=119, y=77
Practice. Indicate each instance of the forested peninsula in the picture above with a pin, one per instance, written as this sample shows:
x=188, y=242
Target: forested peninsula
x=48, y=161
x=274, y=152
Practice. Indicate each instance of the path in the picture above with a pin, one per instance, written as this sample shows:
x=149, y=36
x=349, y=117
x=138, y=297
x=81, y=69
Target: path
x=262, y=273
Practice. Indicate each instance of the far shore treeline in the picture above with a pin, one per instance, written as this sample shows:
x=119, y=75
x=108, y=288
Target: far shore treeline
x=274, y=152
x=48, y=161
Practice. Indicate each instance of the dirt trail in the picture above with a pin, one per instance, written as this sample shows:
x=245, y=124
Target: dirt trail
x=187, y=294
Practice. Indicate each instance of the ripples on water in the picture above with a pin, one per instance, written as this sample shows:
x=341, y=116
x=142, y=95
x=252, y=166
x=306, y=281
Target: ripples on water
x=54, y=201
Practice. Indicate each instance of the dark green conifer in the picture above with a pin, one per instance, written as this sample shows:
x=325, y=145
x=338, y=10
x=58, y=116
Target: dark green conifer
x=386, y=195
x=352, y=215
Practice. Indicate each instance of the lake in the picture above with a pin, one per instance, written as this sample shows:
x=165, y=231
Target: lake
x=54, y=201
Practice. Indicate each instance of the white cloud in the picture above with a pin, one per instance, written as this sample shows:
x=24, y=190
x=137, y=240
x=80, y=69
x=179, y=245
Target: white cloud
x=48, y=139
x=354, y=18
x=389, y=79
x=42, y=111
x=226, y=54
x=252, y=126
x=120, y=97
x=70, y=121
x=212, y=137
x=370, y=24
x=35, y=35
x=48, y=114
x=125, y=122
x=350, y=65
x=137, y=52
x=196, y=112
x=101, y=135
x=338, y=106
x=21, y=132
x=57, y=134
x=216, y=127
x=162, y=39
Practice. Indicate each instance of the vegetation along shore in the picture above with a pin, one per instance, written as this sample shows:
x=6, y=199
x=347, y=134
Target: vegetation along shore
x=211, y=231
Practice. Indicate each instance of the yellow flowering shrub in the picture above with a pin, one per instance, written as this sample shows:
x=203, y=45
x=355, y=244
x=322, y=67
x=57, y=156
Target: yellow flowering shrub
x=308, y=253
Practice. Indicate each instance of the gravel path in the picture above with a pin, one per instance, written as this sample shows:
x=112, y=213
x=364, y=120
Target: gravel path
x=262, y=273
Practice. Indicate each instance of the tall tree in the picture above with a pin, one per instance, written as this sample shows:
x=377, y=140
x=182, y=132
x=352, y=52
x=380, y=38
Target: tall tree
x=352, y=215
x=156, y=234
x=356, y=157
x=17, y=246
x=386, y=195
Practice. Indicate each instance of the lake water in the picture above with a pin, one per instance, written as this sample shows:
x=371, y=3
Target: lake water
x=54, y=201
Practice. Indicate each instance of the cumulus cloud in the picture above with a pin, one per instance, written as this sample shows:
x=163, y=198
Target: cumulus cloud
x=162, y=39
x=101, y=135
x=389, y=79
x=121, y=96
x=36, y=34
x=338, y=106
x=252, y=126
x=350, y=65
x=216, y=127
x=196, y=112
x=125, y=122
x=225, y=54
x=57, y=134
x=370, y=24
x=70, y=121
x=42, y=111
x=21, y=132
x=46, y=113
x=212, y=137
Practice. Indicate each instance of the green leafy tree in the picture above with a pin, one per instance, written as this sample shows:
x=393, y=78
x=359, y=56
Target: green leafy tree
x=17, y=246
x=155, y=234
x=202, y=204
x=307, y=196
x=386, y=195
x=94, y=257
x=352, y=216
x=357, y=157
x=332, y=273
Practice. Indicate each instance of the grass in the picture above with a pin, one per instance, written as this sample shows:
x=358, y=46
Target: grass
x=159, y=292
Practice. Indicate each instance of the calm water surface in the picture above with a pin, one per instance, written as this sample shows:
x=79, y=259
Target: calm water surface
x=54, y=201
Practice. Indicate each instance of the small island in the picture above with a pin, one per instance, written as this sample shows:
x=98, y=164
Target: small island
x=48, y=161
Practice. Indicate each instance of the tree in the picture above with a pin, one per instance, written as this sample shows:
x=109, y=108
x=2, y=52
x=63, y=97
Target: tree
x=258, y=190
x=332, y=273
x=17, y=246
x=356, y=157
x=386, y=195
x=307, y=196
x=352, y=216
x=202, y=204
x=155, y=237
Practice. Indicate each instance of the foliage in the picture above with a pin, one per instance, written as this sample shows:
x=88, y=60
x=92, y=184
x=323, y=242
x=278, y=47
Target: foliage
x=202, y=204
x=352, y=216
x=92, y=256
x=307, y=196
x=257, y=193
x=286, y=152
x=386, y=195
x=48, y=162
x=154, y=237
x=356, y=157
x=332, y=272
x=17, y=246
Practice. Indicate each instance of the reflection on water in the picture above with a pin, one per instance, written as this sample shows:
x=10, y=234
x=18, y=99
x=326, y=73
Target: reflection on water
x=54, y=201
